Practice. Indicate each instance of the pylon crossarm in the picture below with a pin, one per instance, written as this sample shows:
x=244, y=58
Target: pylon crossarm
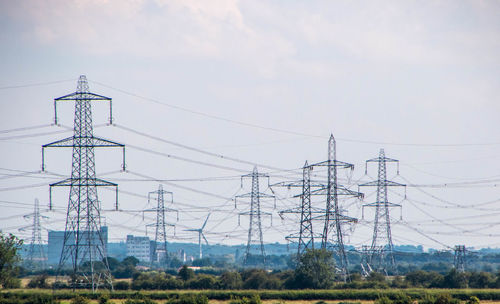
x=334, y=163
x=86, y=182
x=78, y=95
x=387, y=183
x=340, y=191
x=382, y=204
x=88, y=96
x=382, y=159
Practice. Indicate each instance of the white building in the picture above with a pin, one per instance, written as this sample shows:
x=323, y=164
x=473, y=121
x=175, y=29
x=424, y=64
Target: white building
x=140, y=247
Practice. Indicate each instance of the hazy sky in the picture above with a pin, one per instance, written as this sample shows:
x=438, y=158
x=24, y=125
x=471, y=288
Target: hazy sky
x=265, y=82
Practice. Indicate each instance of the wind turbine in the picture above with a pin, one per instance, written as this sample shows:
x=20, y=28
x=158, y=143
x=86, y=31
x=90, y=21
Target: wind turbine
x=200, y=234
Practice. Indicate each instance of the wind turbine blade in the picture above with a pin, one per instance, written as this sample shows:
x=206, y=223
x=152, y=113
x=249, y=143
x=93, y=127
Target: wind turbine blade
x=202, y=227
x=204, y=238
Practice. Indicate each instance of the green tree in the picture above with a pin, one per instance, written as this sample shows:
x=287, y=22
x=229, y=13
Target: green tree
x=231, y=280
x=130, y=260
x=315, y=269
x=9, y=246
x=186, y=273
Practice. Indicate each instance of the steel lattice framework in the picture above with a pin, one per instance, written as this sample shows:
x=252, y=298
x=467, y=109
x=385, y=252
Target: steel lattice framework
x=459, y=260
x=160, y=252
x=36, y=255
x=84, y=245
x=305, y=237
x=333, y=215
x=380, y=255
x=255, y=226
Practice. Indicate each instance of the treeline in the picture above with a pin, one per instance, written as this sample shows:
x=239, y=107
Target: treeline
x=314, y=270
x=413, y=296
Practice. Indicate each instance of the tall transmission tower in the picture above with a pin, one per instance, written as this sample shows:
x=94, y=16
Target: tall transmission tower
x=305, y=236
x=459, y=260
x=380, y=255
x=84, y=245
x=333, y=214
x=255, y=213
x=160, y=252
x=36, y=255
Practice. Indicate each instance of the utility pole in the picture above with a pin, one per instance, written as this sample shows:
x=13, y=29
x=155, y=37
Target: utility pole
x=459, y=260
x=160, y=252
x=381, y=248
x=36, y=255
x=83, y=244
x=255, y=213
x=333, y=215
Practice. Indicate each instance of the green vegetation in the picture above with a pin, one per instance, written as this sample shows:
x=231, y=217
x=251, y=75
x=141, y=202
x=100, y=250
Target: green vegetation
x=9, y=246
x=390, y=296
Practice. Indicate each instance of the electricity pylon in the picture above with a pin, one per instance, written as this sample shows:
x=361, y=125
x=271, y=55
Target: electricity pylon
x=255, y=213
x=381, y=247
x=36, y=255
x=333, y=214
x=305, y=237
x=83, y=245
x=459, y=259
x=201, y=235
x=160, y=252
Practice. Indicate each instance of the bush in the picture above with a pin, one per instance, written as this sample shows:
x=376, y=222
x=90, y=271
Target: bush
x=427, y=299
x=139, y=301
x=203, y=282
x=446, y=298
x=473, y=300
x=383, y=300
x=402, y=298
x=121, y=285
x=103, y=299
x=38, y=282
x=254, y=299
x=189, y=299
x=80, y=300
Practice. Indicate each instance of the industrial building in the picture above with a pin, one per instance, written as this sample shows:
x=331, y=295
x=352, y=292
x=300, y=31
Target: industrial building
x=56, y=240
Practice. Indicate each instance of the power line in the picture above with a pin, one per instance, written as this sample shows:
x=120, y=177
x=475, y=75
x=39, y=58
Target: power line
x=36, y=84
x=216, y=117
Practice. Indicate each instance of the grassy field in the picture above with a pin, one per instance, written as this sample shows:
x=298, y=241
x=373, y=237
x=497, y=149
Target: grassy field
x=275, y=296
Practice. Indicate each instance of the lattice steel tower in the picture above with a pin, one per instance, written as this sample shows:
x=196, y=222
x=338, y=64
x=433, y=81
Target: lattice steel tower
x=36, y=255
x=84, y=245
x=160, y=251
x=255, y=213
x=380, y=255
x=305, y=237
x=333, y=215
x=459, y=259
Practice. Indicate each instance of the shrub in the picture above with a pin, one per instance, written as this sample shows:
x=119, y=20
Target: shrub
x=121, y=285
x=402, y=298
x=254, y=299
x=446, y=298
x=139, y=301
x=473, y=300
x=103, y=299
x=383, y=300
x=80, y=300
x=427, y=299
x=38, y=282
x=189, y=299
